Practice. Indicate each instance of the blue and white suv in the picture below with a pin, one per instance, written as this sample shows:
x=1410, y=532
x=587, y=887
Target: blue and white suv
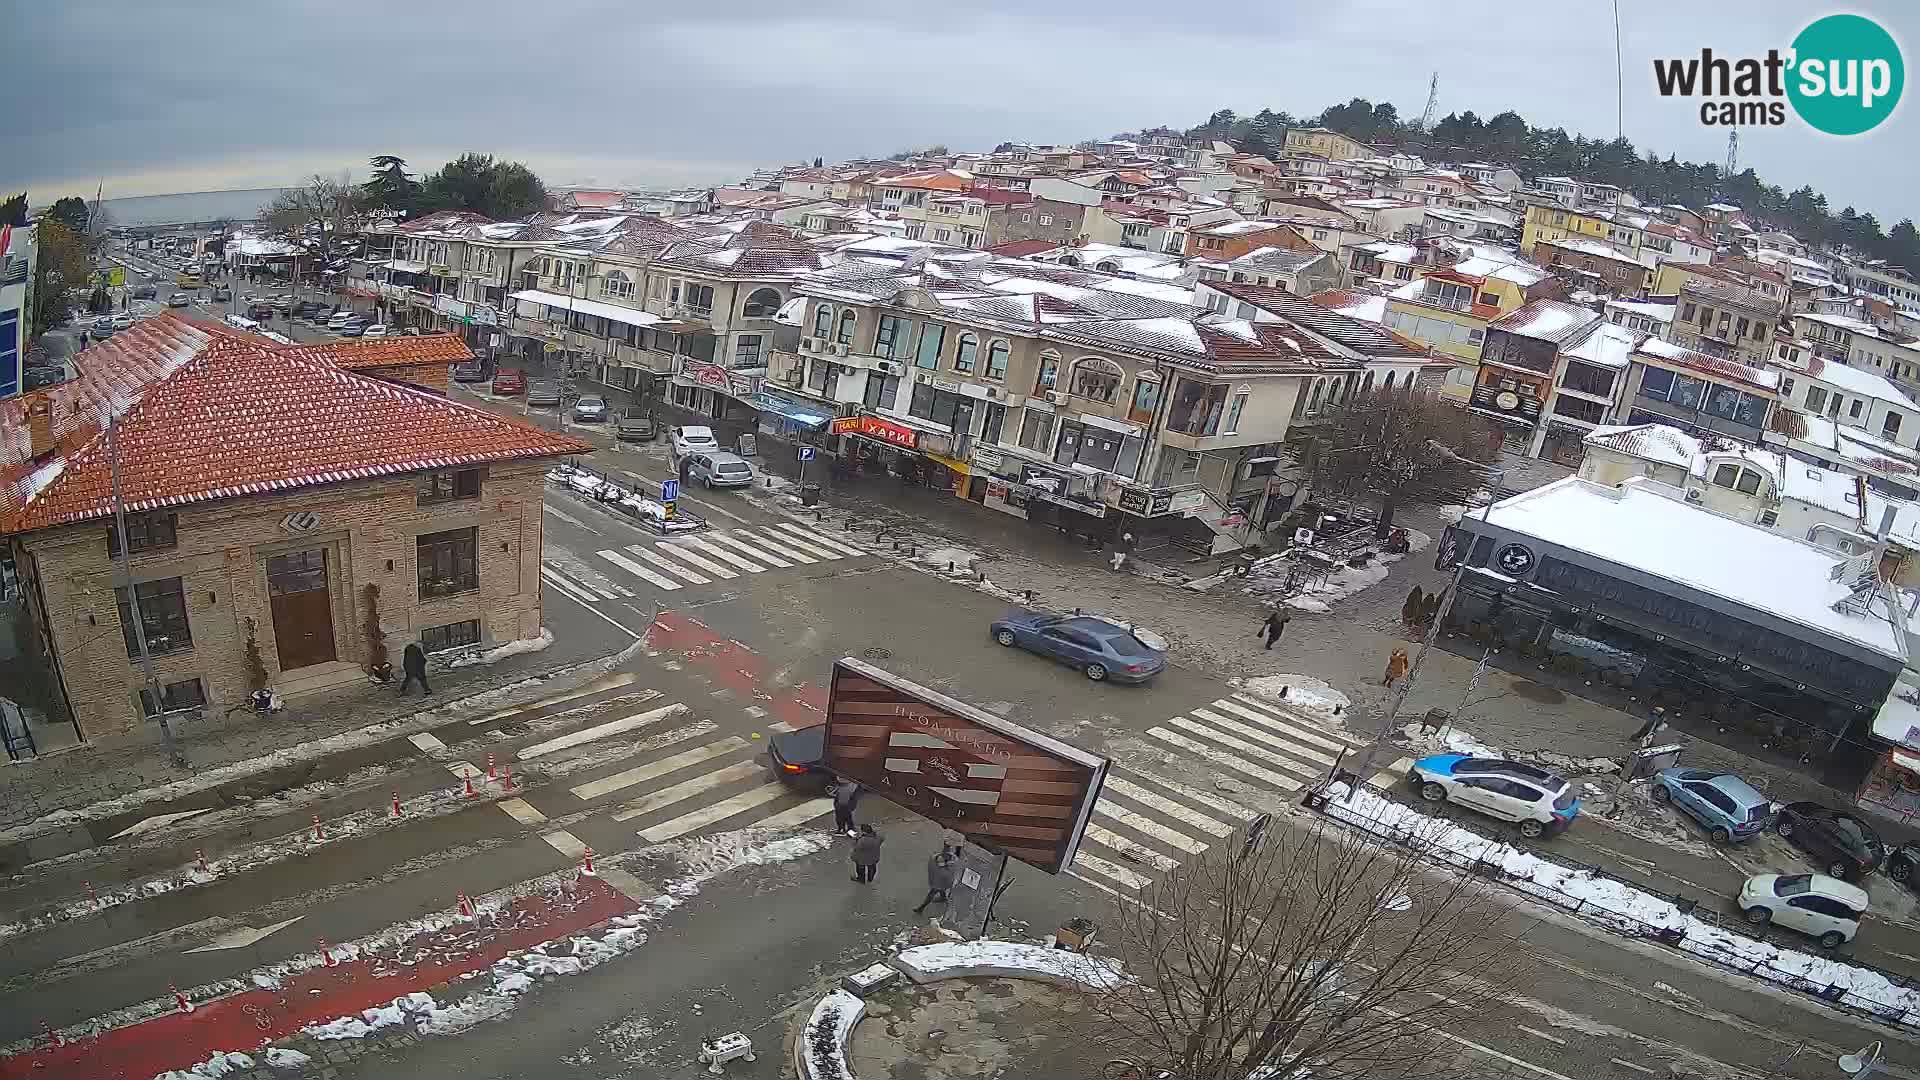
x=1538, y=801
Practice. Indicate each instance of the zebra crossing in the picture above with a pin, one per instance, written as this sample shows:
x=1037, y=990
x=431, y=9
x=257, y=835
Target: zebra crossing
x=703, y=558
x=1146, y=824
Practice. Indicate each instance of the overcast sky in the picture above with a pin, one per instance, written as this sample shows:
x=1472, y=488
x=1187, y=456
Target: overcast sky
x=195, y=95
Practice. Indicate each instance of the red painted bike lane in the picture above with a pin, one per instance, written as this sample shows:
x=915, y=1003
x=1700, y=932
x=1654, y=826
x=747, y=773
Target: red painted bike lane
x=250, y=1019
x=734, y=666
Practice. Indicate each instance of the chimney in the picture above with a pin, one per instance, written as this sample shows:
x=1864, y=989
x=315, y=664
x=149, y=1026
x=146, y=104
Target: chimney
x=40, y=425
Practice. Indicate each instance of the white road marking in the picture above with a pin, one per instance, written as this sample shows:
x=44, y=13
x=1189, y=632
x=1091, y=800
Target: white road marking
x=242, y=936
x=598, y=686
x=631, y=886
x=755, y=711
x=638, y=571
x=1148, y=827
x=561, y=582
x=1109, y=839
x=671, y=567
x=604, y=617
x=1134, y=792
x=1630, y=1065
x=1245, y=747
x=147, y=825
x=1291, y=751
x=522, y=811
x=601, y=731
x=687, y=789
x=1212, y=802
x=720, y=811
x=811, y=547
x=1284, y=725
x=778, y=542
x=583, y=577
x=462, y=769
x=568, y=518
x=427, y=742
x=717, y=552
x=1220, y=757
x=1119, y=875
x=749, y=549
x=565, y=843
x=687, y=555
x=780, y=726
x=1538, y=1034
x=819, y=537
x=793, y=815
x=655, y=769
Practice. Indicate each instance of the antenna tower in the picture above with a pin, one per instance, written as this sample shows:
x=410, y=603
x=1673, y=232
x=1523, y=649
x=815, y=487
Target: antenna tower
x=1433, y=102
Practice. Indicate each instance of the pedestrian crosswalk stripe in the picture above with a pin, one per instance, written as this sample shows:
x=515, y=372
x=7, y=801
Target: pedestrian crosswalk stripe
x=813, y=547
x=601, y=731
x=780, y=726
x=1136, y=793
x=579, y=593
x=686, y=789
x=1222, y=758
x=1213, y=802
x=1259, y=752
x=723, y=538
x=669, y=565
x=1120, y=876
x=793, y=815
x=719, y=811
x=582, y=576
x=819, y=537
x=1294, y=752
x=1108, y=839
x=1148, y=827
x=717, y=552
x=687, y=556
x=638, y=571
x=765, y=542
x=641, y=774
x=1286, y=725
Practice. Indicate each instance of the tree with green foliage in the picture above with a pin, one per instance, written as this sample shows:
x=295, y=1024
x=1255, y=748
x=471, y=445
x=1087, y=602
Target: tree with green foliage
x=60, y=266
x=73, y=212
x=390, y=187
x=14, y=210
x=476, y=182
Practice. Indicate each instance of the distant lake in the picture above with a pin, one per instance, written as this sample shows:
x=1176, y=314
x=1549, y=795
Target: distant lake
x=242, y=205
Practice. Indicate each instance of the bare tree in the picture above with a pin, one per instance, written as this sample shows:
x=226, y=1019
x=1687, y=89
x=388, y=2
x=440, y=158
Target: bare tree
x=1391, y=446
x=329, y=204
x=1312, y=951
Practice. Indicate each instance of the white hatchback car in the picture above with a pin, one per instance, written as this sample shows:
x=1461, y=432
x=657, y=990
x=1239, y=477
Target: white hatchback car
x=376, y=330
x=1537, y=801
x=693, y=439
x=1818, y=906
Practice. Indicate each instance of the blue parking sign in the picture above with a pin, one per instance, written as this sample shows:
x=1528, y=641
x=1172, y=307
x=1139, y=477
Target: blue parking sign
x=669, y=490
x=806, y=453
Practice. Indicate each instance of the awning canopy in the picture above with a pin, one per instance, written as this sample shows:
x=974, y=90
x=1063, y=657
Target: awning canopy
x=790, y=410
x=627, y=315
x=405, y=266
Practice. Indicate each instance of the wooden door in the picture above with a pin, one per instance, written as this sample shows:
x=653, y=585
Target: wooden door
x=302, y=608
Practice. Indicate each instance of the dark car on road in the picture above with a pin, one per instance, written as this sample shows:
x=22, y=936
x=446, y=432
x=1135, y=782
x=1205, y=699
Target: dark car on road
x=1840, y=844
x=1100, y=648
x=542, y=394
x=798, y=757
x=636, y=425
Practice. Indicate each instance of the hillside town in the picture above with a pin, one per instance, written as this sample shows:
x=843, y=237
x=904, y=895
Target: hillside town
x=1511, y=523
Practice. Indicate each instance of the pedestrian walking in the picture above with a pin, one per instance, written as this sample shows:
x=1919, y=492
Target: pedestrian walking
x=1275, y=624
x=846, y=796
x=1396, y=665
x=414, y=662
x=942, y=869
x=866, y=854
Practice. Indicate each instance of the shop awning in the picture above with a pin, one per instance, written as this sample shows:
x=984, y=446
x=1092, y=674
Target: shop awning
x=405, y=267
x=796, y=412
x=583, y=306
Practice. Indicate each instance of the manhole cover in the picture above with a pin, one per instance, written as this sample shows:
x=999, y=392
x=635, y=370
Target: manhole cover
x=877, y=654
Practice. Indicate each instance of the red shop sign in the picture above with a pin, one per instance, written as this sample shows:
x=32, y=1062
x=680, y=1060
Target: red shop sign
x=711, y=376
x=887, y=431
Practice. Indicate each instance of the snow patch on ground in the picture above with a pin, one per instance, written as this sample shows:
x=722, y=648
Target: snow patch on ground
x=1269, y=575
x=961, y=559
x=1300, y=693
x=947, y=958
x=1449, y=740
x=1308, y=604
x=215, y=1066
x=281, y=1057
x=706, y=856
x=1451, y=513
x=501, y=652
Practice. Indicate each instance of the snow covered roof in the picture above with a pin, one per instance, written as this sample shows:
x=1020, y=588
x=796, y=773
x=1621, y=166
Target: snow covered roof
x=1656, y=312
x=1546, y=320
x=1601, y=250
x=1275, y=260
x=1389, y=251
x=1644, y=531
x=1681, y=356
x=1607, y=345
x=1653, y=442
x=1367, y=307
x=1239, y=228
x=1858, y=381
x=1522, y=274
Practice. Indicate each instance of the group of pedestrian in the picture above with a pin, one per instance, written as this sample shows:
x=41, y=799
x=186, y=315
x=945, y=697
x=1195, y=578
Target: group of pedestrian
x=943, y=867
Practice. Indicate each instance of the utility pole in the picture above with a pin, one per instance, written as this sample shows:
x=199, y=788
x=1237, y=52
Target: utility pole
x=152, y=689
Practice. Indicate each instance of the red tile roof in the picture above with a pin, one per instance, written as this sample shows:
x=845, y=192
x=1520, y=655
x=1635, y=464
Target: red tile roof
x=208, y=413
x=1020, y=249
x=355, y=354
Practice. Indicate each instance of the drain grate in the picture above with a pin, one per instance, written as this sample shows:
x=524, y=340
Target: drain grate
x=876, y=654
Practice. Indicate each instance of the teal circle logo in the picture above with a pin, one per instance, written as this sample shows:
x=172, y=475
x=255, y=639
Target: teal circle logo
x=1847, y=74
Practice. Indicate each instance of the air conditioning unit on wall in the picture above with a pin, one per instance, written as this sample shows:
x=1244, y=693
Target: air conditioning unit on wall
x=889, y=367
x=1056, y=397
x=1693, y=494
x=840, y=349
x=808, y=344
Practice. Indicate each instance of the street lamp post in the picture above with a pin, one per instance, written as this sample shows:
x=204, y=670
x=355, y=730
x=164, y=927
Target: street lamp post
x=1864, y=1062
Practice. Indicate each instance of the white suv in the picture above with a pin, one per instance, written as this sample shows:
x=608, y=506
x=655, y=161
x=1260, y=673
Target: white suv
x=1814, y=904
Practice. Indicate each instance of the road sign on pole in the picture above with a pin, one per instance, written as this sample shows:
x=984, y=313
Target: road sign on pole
x=669, y=490
x=806, y=453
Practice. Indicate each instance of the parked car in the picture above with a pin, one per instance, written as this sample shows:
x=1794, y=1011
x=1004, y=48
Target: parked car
x=798, y=758
x=510, y=381
x=123, y=322
x=221, y=292
x=591, y=409
x=179, y=299
x=1818, y=906
x=691, y=439
x=376, y=330
x=340, y=318
x=1101, y=648
x=543, y=394
x=355, y=328
x=636, y=425
x=1839, y=843
x=261, y=311
x=1728, y=807
x=1541, y=803
x=1901, y=864
x=310, y=309
x=717, y=468
x=143, y=292
x=102, y=327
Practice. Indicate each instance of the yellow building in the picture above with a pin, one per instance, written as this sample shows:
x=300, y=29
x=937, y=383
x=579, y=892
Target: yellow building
x=1322, y=142
x=1671, y=277
x=1559, y=223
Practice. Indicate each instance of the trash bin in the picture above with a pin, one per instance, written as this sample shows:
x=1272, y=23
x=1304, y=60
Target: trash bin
x=809, y=494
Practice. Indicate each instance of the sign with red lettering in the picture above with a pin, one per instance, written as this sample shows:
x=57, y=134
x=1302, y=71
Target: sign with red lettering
x=1007, y=788
x=889, y=432
x=710, y=375
x=844, y=425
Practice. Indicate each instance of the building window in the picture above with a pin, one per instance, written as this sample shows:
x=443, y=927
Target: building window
x=882, y=390
x=761, y=304
x=891, y=336
x=1726, y=475
x=451, y=636
x=996, y=418
x=1686, y=313
x=1036, y=431
x=1403, y=273
x=1490, y=299
x=447, y=485
x=449, y=562
x=964, y=352
x=1049, y=371
x=822, y=321
x=749, y=351
x=1786, y=388
x=1234, y=410
x=1046, y=219
x=997, y=360
x=616, y=284
x=145, y=532
x=699, y=298
x=1587, y=379
x=847, y=318
x=1748, y=483
x=933, y=337
x=1096, y=379
x=817, y=376
x=1816, y=399
x=1146, y=398
x=1890, y=426
x=163, y=615
x=174, y=697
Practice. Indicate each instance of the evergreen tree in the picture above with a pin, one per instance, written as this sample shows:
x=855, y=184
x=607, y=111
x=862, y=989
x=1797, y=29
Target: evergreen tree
x=390, y=187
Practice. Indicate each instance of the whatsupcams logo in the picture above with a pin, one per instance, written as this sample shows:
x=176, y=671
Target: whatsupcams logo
x=1842, y=75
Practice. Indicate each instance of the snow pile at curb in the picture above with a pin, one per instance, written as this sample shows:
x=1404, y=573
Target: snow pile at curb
x=954, y=959
x=501, y=652
x=823, y=1043
x=1269, y=574
x=1298, y=693
x=1622, y=907
x=959, y=559
x=216, y=1066
x=1452, y=740
x=282, y=1058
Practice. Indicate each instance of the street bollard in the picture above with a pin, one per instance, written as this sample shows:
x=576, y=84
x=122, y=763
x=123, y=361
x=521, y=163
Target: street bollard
x=396, y=804
x=318, y=833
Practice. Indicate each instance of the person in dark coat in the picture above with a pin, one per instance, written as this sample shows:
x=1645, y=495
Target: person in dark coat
x=846, y=795
x=942, y=870
x=415, y=664
x=866, y=854
x=1276, y=622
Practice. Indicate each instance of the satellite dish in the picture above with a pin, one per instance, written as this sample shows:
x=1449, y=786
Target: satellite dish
x=1861, y=1059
